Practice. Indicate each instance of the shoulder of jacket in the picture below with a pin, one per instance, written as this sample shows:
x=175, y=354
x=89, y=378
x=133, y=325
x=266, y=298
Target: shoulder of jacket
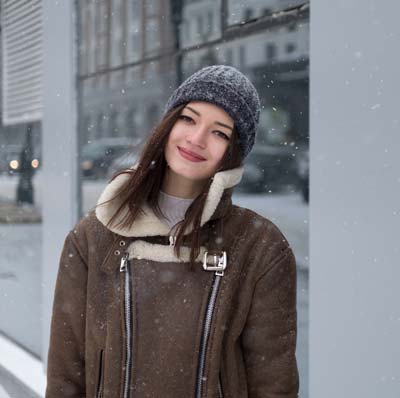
x=258, y=224
x=90, y=224
x=268, y=244
x=90, y=231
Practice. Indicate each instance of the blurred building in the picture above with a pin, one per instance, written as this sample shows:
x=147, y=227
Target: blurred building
x=21, y=70
x=119, y=100
x=132, y=56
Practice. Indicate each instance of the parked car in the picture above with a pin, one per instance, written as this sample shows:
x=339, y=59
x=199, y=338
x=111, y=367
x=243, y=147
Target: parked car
x=10, y=159
x=99, y=154
x=269, y=169
x=8, y=152
x=125, y=161
x=252, y=179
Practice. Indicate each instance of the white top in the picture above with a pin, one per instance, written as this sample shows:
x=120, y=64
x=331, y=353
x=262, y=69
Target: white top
x=173, y=208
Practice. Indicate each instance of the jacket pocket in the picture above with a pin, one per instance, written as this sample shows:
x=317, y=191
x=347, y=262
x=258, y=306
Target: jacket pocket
x=100, y=377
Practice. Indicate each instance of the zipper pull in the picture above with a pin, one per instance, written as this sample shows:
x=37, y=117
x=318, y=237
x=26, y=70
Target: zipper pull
x=124, y=262
x=219, y=263
x=172, y=240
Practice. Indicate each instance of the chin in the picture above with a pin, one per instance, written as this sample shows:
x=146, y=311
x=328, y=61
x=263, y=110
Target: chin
x=191, y=173
x=193, y=176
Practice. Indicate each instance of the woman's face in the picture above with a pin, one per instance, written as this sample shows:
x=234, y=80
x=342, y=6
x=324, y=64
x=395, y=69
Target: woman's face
x=198, y=140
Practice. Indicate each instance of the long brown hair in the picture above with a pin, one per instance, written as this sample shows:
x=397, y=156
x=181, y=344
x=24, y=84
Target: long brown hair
x=145, y=182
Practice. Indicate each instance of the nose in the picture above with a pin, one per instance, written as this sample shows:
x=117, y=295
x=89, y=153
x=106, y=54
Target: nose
x=197, y=137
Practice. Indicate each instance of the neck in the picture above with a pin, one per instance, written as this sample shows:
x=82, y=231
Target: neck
x=179, y=186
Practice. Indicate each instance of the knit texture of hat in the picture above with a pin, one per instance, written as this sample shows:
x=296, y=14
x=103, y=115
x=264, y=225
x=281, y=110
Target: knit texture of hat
x=228, y=88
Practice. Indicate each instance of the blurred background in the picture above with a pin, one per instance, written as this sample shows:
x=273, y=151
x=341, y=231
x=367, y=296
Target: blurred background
x=127, y=57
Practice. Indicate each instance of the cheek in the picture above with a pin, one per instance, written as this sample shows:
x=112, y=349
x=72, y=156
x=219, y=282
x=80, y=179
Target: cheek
x=171, y=138
x=219, y=150
x=175, y=135
x=172, y=142
x=168, y=148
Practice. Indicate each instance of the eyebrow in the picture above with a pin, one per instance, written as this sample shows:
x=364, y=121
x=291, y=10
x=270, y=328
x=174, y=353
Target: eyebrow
x=216, y=122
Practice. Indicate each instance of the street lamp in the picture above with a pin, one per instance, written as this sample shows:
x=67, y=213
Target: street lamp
x=176, y=19
x=25, y=187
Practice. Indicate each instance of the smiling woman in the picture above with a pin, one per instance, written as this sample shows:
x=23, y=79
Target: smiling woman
x=167, y=288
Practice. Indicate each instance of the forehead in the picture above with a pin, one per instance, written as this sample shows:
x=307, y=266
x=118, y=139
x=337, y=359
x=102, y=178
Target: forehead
x=208, y=109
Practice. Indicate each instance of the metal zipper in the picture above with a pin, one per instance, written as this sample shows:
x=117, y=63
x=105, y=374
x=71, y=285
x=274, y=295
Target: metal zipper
x=220, y=391
x=219, y=267
x=125, y=267
x=100, y=383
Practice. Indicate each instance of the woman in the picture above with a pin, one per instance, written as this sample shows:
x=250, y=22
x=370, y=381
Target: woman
x=167, y=289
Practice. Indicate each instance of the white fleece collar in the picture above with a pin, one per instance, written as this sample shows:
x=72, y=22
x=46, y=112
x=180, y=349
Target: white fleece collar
x=149, y=224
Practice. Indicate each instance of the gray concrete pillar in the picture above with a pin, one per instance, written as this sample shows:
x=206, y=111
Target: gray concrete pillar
x=59, y=128
x=355, y=199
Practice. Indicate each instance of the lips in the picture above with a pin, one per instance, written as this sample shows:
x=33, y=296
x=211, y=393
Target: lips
x=187, y=154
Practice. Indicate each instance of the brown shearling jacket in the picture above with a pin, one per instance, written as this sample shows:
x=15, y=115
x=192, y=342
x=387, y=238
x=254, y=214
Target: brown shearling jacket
x=131, y=320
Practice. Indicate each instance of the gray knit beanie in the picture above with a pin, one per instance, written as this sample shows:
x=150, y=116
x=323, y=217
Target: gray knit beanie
x=228, y=88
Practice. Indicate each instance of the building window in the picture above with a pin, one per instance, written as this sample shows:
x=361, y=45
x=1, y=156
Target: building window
x=114, y=124
x=266, y=11
x=242, y=56
x=130, y=123
x=248, y=14
x=100, y=125
x=210, y=21
x=200, y=27
x=271, y=51
x=87, y=128
x=290, y=47
x=186, y=28
x=229, y=56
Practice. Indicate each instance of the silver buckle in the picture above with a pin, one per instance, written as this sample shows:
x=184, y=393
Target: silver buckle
x=219, y=263
x=172, y=240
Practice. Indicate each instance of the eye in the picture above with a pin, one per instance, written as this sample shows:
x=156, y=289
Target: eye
x=223, y=135
x=185, y=118
x=188, y=119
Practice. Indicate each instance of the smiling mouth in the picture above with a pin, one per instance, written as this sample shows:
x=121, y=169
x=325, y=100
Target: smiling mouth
x=189, y=156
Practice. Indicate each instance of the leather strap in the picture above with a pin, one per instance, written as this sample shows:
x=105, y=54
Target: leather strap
x=211, y=236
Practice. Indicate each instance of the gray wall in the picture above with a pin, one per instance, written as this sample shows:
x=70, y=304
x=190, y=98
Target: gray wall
x=355, y=199
x=59, y=139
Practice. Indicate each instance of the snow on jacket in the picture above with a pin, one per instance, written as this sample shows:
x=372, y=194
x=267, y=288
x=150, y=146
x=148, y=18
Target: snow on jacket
x=131, y=320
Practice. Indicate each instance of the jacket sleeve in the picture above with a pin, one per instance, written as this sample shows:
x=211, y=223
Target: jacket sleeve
x=269, y=337
x=66, y=356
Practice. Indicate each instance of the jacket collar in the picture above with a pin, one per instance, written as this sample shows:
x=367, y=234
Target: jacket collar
x=217, y=204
